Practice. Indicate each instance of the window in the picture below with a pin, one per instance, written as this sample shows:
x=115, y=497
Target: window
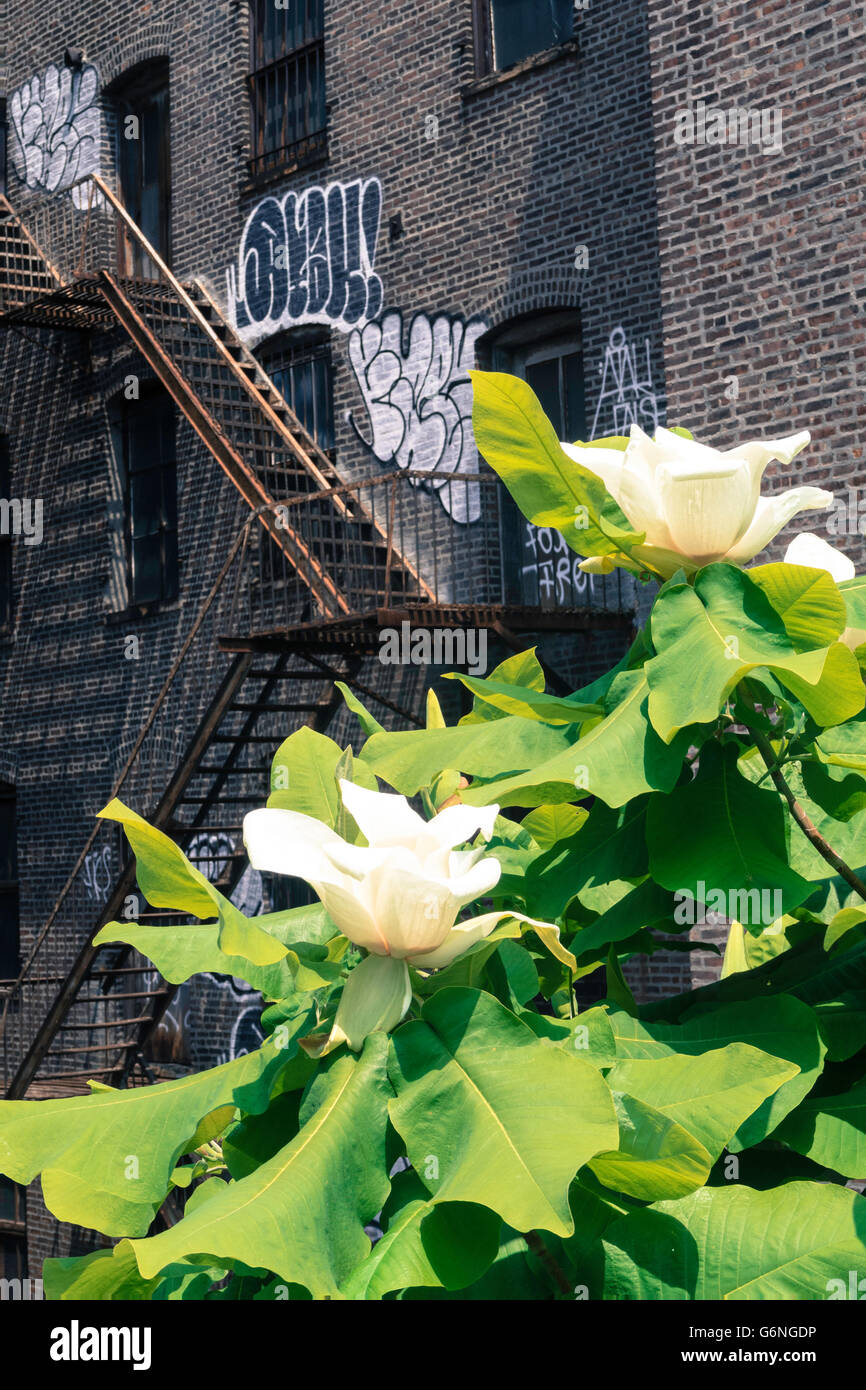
x=6, y=604
x=507, y=31
x=13, y=1232
x=141, y=108
x=287, y=84
x=151, y=498
x=10, y=962
x=544, y=349
x=299, y=364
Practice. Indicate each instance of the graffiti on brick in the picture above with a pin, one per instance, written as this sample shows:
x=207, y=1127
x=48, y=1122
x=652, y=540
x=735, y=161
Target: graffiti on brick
x=308, y=258
x=55, y=128
x=627, y=395
x=98, y=875
x=210, y=851
x=551, y=572
x=418, y=397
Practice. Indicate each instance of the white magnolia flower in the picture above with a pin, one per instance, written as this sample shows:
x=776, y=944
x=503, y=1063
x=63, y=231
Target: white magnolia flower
x=817, y=554
x=397, y=897
x=695, y=504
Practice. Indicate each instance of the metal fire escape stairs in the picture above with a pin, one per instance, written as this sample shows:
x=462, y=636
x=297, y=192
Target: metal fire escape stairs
x=59, y=1027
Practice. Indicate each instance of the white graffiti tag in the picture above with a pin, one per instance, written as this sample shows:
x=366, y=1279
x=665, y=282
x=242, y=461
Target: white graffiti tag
x=54, y=128
x=419, y=399
x=627, y=393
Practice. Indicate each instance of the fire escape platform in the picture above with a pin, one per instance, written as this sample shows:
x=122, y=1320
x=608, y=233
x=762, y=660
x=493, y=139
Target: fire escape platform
x=361, y=632
x=79, y=306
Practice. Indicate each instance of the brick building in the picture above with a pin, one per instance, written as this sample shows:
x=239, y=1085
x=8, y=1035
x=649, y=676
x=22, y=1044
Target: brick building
x=248, y=252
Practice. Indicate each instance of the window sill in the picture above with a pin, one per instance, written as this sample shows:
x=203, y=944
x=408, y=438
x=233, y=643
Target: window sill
x=492, y=80
x=312, y=159
x=138, y=612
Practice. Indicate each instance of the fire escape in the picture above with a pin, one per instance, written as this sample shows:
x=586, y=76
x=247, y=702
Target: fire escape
x=319, y=567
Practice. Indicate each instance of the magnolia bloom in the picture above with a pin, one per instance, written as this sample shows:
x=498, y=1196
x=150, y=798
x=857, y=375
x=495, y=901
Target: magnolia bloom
x=816, y=554
x=694, y=504
x=397, y=897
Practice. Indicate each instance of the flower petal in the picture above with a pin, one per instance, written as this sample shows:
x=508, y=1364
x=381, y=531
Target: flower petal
x=456, y=825
x=411, y=913
x=288, y=842
x=771, y=514
x=708, y=508
x=383, y=817
x=817, y=554
x=459, y=939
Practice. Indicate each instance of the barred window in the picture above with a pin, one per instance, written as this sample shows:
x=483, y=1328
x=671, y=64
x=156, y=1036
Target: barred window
x=299, y=364
x=287, y=84
x=151, y=498
x=507, y=31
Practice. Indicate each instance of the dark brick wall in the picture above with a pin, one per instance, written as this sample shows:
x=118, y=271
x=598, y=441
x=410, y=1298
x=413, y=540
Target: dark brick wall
x=762, y=266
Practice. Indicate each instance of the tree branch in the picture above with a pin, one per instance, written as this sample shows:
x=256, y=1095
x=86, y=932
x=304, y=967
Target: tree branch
x=541, y=1253
x=813, y=835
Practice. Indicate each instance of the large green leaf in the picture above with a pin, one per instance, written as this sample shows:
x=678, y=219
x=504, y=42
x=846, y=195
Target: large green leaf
x=688, y=1108
x=168, y=879
x=523, y=669
x=426, y=1244
x=106, y=1159
x=617, y=759
x=530, y=704
x=492, y=1114
x=179, y=952
x=780, y=1026
x=722, y=831
x=807, y=600
x=516, y=438
x=302, y=1213
x=831, y=1130
x=597, y=864
x=736, y=1243
x=113, y=1276
x=410, y=760
x=304, y=776
x=718, y=631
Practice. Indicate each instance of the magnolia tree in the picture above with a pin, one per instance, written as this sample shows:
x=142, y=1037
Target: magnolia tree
x=425, y=1064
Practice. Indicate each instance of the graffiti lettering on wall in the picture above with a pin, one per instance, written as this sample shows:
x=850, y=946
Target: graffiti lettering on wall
x=55, y=127
x=308, y=258
x=551, y=572
x=627, y=394
x=419, y=398
x=98, y=875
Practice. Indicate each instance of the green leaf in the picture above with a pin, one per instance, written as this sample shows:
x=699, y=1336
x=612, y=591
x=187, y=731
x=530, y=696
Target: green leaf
x=807, y=600
x=179, y=952
x=657, y=1157
x=106, y=1159
x=112, y=1276
x=410, y=760
x=304, y=776
x=530, y=704
x=618, y=759
x=788, y=1243
x=725, y=833
x=831, y=1130
x=839, y=792
x=781, y=1027
x=647, y=905
x=516, y=438
x=168, y=879
x=549, y=824
x=464, y=1075
x=301, y=1214
x=844, y=745
x=718, y=631
x=426, y=1245
x=368, y=722
x=710, y=1094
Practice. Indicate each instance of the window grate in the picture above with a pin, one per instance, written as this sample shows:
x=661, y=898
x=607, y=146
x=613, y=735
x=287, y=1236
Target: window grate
x=287, y=84
x=509, y=31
